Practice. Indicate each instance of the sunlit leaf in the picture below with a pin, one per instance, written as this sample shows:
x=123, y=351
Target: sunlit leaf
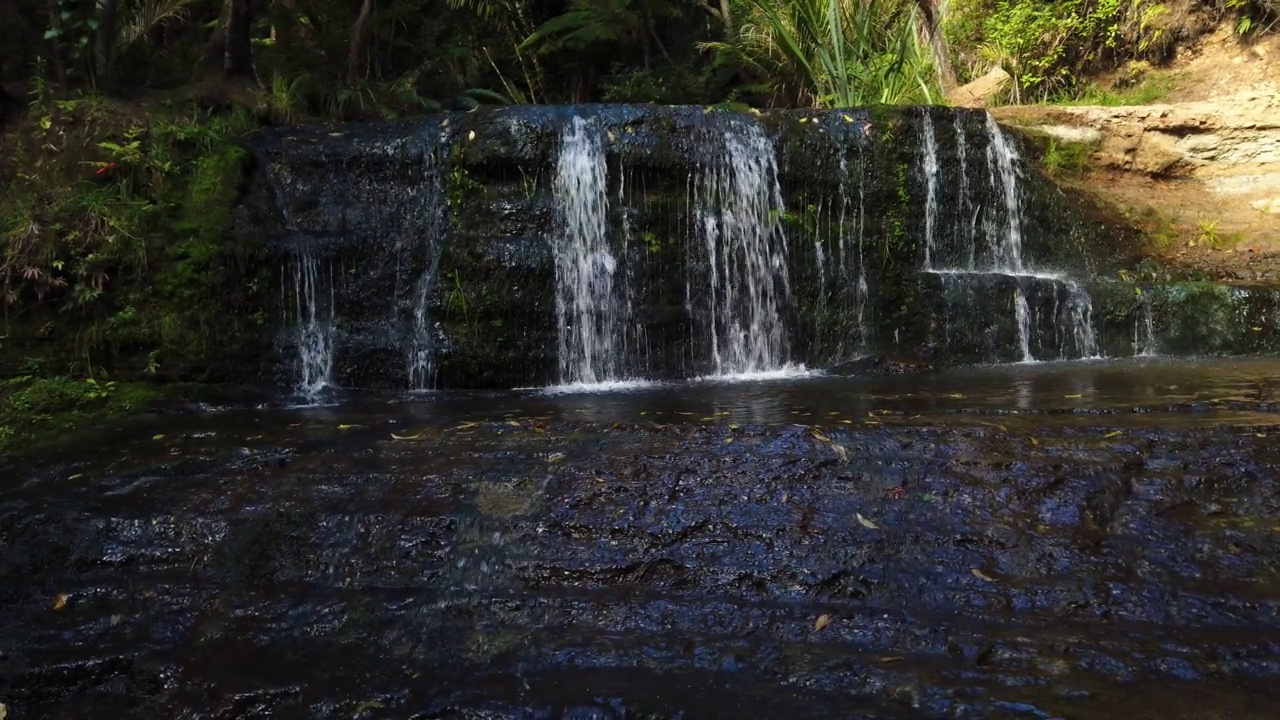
x=981, y=575
x=822, y=621
x=59, y=601
x=554, y=458
x=158, y=436
x=1115, y=433
x=1077, y=395
x=513, y=423
x=405, y=437
x=817, y=435
x=865, y=522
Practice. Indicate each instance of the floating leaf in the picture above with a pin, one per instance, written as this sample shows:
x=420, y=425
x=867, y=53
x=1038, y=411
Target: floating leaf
x=158, y=436
x=866, y=523
x=59, y=601
x=405, y=437
x=728, y=440
x=1115, y=433
x=707, y=419
x=115, y=619
x=555, y=457
x=1072, y=397
x=1034, y=441
x=981, y=575
x=822, y=621
x=817, y=435
x=732, y=426
x=847, y=422
x=513, y=423
x=890, y=659
x=956, y=396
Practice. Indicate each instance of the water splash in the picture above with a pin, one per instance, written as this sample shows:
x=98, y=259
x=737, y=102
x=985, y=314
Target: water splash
x=313, y=298
x=741, y=208
x=929, y=160
x=587, y=303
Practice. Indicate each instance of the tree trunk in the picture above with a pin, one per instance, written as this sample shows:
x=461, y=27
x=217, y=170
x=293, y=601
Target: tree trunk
x=104, y=39
x=353, y=48
x=931, y=12
x=237, y=59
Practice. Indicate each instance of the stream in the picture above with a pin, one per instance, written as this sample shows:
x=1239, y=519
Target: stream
x=1054, y=540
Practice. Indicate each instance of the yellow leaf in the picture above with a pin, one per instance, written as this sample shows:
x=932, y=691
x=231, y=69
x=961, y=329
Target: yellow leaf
x=733, y=426
x=555, y=457
x=513, y=423
x=728, y=440
x=348, y=427
x=1256, y=329
x=707, y=419
x=683, y=413
x=405, y=437
x=1034, y=442
x=1077, y=395
x=822, y=621
x=981, y=575
x=471, y=135
x=847, y=422
x=956, y=396
x=158, y=436
x=890, y=659
x=866, y=523
x=847, y=118
x=1115, y=433
x=820, y=437
x=59, y=601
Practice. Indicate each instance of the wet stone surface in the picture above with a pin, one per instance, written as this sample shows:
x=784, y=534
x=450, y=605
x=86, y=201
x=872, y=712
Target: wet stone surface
x=1084, y=540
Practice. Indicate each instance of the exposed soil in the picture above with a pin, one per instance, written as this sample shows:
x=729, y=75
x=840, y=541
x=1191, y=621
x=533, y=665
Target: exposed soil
x=1200, y=170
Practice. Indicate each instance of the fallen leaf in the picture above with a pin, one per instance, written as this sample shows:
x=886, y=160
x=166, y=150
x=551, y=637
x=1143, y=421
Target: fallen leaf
x=821, y=622
x=866, y=523
x=4, y=711
x=707, y=419
x=890, y=659
x=733, y=427
x=348, y=427
x=841, y=452
x=555, y=457
x=1115, y=433
x=1077, y=395
x=820, y=437
x=115, y=619
x=405, y=437
x=59, y=601
x=158, y=436
x=981, y=575
x=847, y=422
x=1034, y=442
x=728, y=440
x=513, y=423
x=471, y=135
x=956, y=396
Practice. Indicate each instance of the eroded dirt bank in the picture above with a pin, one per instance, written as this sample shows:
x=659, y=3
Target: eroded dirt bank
x=1096, y=542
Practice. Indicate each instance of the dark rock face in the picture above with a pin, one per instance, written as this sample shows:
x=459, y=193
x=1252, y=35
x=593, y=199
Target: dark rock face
x=466, y=200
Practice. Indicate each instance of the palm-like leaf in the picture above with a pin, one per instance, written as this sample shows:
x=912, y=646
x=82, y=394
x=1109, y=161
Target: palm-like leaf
x=137, y=17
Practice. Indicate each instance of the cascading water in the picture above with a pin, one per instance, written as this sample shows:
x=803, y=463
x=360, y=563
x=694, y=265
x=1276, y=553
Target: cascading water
x=741, y=207
x=420, y=347
x=1001, y=155
x=1144, y=331
x=929, y=149
x=313, y=298
x=1002, y=251
x=588, y=302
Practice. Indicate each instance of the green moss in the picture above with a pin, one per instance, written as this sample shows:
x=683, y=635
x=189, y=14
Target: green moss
x=36, y=410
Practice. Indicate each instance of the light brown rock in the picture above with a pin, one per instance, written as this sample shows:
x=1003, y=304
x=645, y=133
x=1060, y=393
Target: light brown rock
x=978, y=94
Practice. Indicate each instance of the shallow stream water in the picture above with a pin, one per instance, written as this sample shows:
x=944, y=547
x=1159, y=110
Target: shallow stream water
x=1075, y=540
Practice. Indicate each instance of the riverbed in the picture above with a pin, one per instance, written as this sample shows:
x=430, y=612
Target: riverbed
x=1054, y=540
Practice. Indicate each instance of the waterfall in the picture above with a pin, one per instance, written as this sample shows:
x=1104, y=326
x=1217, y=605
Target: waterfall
x=929, y=149
x=1079, y=321
x=588, y=305
x=1144, y=343
x=313, y=298
x=420, y=348
x=741, y=208
x=1001, y=156
x=1022, y=314
x=965, y=228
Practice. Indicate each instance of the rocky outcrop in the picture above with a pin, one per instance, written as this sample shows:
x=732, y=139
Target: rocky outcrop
x=980, y=92
x=1210, y=166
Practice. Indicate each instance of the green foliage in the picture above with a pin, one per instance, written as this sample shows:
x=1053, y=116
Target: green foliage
x=1065, y=160
x=1048, y=45
x=33, y=409
x=835, y=53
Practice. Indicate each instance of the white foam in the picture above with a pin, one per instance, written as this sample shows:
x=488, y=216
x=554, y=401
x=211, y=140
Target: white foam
x=789, y=371
x=599, y=387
